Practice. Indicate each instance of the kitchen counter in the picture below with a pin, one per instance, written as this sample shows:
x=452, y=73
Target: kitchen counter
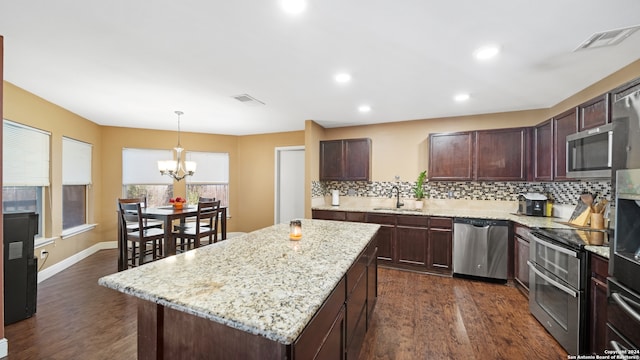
x=458, y=208
x=261, y=283
x=529, y=221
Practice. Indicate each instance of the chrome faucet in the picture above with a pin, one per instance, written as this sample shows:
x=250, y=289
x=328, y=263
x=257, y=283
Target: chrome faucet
x=398, y=203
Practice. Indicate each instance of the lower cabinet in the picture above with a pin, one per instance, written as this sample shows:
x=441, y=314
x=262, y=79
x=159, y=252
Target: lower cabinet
x=598, y=304
x=412, y=242
x=439, y=246
x=338, y=329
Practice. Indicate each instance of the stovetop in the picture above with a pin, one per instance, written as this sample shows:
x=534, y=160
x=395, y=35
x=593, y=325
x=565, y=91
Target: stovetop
x=577, y=238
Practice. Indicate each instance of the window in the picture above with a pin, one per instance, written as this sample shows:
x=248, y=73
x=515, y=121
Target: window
x=76, y=177
x=140, y=176
x=211, y=178
x=25, y=169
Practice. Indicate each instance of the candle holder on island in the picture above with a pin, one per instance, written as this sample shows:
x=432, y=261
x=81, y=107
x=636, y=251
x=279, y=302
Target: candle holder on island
x=295, y=230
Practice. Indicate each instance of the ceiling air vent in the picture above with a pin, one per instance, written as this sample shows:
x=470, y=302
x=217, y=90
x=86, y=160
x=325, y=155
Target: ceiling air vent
x=248, y=99
x=607, y=38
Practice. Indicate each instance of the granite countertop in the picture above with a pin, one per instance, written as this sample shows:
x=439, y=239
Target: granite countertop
x=261, y=282
x=457, y=211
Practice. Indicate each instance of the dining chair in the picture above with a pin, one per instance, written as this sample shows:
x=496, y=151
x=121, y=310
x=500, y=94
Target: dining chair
x=206, y=225
x=137, y=236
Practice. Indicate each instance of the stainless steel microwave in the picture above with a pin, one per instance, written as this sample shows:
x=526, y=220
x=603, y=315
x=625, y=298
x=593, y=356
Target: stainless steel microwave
x=589, y=153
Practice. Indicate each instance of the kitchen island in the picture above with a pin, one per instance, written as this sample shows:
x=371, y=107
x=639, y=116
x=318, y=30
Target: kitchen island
x=259, y=296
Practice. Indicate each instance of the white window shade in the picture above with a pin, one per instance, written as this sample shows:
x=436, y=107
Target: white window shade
x=211, y=167
x=76, y=162
x=140, y=166
x=25, y=154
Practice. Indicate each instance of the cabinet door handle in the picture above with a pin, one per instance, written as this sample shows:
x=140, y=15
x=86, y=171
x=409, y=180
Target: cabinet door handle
x=624, y=304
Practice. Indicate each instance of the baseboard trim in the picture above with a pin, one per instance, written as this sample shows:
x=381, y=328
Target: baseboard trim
x=4, y=347
x=58, y=267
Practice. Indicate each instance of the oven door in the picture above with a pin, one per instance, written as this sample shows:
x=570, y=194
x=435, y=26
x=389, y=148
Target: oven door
x=562, y=262
x=623, y=316
x=558, y=307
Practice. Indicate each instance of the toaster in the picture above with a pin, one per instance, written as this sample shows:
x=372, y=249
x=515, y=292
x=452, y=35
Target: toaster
x=532, y=204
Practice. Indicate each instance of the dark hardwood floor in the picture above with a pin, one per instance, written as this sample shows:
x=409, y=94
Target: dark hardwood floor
x=416, y=317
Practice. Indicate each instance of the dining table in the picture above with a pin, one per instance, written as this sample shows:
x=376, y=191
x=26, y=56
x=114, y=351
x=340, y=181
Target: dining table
x=168, y=214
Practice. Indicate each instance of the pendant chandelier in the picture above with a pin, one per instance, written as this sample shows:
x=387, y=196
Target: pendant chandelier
x=178, y=168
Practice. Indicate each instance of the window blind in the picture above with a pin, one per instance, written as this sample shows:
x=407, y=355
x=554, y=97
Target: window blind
x=76, y=162
x=25, y=153
x=140, y=166
x=211, y=168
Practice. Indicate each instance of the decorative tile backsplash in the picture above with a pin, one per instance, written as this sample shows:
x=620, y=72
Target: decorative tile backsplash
x=566, y=193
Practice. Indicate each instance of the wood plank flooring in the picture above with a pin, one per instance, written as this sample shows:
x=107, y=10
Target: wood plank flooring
x=417, y=317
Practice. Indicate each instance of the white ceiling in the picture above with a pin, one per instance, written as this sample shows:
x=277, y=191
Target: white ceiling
x=133, y=62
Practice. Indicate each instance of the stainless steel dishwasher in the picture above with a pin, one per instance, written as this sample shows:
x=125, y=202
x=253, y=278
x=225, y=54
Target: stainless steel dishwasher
x=480, y=248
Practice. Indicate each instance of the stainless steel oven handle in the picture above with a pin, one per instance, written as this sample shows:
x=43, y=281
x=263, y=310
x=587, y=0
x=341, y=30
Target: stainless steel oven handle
x=617, y=347
x=556, y=284
x=622, y=301
x=554, y=246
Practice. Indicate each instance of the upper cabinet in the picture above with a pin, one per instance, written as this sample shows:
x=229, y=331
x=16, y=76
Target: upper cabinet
x=563, y=125
x=451, y=156
x=594, y=113
x=348, y=159
x=495, y=155
x=501, y=154
x=624, y=90
x=543, y=151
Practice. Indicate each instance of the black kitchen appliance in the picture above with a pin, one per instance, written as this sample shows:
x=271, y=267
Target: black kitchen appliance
x=623, y=305
x=20, y=266
x=532, y=204
x=557, y=282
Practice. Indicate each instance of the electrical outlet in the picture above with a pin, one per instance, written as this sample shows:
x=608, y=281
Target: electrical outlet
x=43, y=254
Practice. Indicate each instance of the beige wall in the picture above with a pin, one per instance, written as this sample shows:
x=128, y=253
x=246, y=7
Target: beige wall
x=256, y=177
x=25, y=108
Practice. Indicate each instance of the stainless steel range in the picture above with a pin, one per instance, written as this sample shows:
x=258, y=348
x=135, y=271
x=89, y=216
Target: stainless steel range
x=558, y=280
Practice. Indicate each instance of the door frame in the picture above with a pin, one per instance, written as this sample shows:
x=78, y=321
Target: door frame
x=276, y=182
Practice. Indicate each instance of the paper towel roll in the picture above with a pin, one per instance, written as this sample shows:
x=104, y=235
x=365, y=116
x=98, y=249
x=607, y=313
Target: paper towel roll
x=335, y=197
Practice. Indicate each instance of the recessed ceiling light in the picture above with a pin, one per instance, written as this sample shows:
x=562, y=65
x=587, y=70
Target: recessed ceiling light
x=461, y=97
x=343, y=78
x=293, y=6
x=486, y=52
x=364, y=108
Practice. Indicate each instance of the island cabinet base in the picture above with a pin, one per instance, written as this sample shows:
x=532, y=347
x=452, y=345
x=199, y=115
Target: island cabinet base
x=335, y=332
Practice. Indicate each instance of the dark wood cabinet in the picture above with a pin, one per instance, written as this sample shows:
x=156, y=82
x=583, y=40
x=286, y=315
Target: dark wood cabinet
x=385, y=237
x=492, y=155
x=501, y=154
x=624, y=90
x=521, y=256
x=451, y=156
x=594, y=113
x=598, y=304
x=563, y=124
x=354, y=216
x=543, y=151
x=410, y=242
x=348, y=159
x=412, y=233
x=439, y=247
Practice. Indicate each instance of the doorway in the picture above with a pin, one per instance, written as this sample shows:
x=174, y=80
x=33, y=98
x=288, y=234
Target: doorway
x=289, y=183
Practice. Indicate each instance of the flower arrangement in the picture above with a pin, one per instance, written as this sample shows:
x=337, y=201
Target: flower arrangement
x=178, y=202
